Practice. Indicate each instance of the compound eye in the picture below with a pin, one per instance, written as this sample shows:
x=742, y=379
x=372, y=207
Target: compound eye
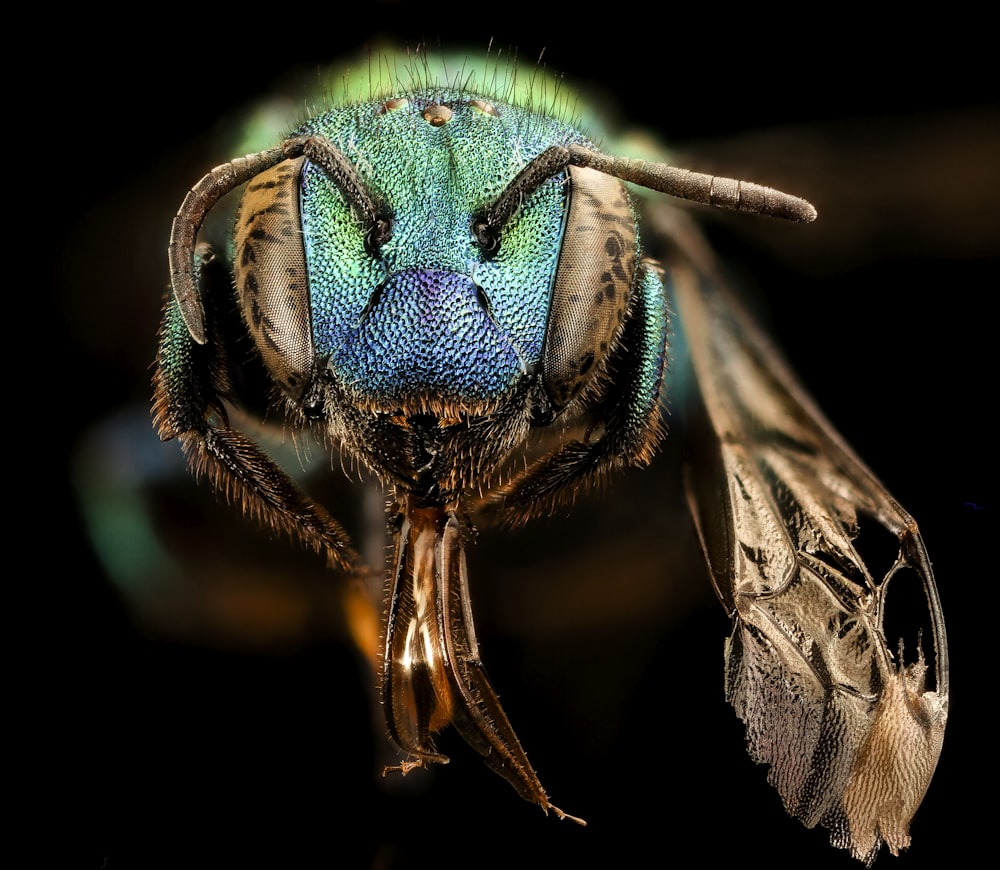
x=271, y=279
x=593, y=281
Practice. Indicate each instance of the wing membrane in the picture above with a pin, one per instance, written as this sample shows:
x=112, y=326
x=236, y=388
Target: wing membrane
x=850, y=723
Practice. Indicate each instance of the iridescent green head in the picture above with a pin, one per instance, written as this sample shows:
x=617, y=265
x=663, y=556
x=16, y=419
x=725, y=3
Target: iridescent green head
x=436, y=315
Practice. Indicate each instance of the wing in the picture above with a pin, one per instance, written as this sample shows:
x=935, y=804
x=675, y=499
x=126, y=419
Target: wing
x=850, y=722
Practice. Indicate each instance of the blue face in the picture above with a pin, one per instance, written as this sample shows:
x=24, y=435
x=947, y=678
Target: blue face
x=430, y=317
x=432, y=277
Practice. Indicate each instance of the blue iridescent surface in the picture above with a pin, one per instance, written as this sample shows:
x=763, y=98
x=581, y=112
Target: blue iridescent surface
x=429, y=315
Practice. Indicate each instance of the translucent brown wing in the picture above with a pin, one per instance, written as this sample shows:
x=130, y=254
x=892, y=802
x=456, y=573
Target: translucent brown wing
x=850, y=722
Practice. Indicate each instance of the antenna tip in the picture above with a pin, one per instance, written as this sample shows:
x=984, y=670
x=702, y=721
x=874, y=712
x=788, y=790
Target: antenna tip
x=807, y=212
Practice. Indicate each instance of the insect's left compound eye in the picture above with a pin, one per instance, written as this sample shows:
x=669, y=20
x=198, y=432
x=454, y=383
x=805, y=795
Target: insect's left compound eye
x=271, y=278
x=593, y=281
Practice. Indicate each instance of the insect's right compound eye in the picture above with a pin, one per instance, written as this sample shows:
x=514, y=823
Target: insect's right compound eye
x=593, y=281
x=271, y=278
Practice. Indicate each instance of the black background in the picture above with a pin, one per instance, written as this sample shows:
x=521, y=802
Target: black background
x=152, y=743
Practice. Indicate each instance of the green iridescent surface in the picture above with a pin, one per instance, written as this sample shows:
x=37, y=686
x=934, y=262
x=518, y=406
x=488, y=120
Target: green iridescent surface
x=428, y=329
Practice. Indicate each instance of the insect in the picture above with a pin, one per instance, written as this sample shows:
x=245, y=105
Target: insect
x=449, y=283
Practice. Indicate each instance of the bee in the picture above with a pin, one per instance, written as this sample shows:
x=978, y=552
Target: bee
x=455, y=287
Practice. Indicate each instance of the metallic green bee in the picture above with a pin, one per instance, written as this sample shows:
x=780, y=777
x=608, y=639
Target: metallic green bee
x=450, y=283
